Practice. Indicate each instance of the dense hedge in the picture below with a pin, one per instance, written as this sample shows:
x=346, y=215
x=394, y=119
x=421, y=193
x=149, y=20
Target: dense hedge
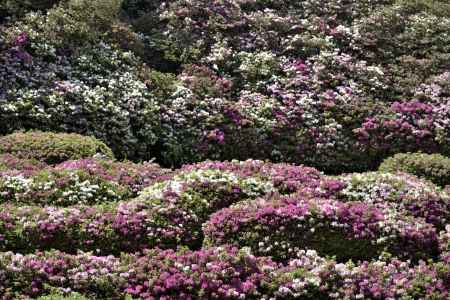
x=222, y=273
x=60, y=188
x=75, y=182
x=354, y=230
x=433, y=167
x=166, y=214
x=52, y=148
x=185, y=202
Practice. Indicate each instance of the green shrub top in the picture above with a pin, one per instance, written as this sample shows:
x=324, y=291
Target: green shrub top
x=60, y=297
x=52, y=148
x=433, y=167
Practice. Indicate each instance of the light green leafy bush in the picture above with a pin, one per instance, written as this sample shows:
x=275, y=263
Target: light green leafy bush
x=52, y=148
x=433, y=167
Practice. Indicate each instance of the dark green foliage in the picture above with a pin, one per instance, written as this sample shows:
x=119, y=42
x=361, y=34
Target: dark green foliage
x=18, y=8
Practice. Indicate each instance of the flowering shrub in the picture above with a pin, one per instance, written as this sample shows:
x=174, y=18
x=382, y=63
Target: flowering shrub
x=74, y=182
x=11, y=162
x=134, y=176
x=35, y=274
x=286, y=178
x=444, y=243
x=414, y=47
x=166, y=215
x=106, y=229
x=433, y=167
x=182, y=204
x=312, y=277
x=376, y=280
x=355, y=231
x=223, y=273
x=60, y=188
x=406, y=126
x=405, y=192
x=52, y=148
x=94, y=89
x=303, y=82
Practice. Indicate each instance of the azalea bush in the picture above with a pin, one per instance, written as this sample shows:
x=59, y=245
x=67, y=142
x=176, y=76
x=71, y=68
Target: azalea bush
x=135, y=176
x=324, y=85
x=224, y=273
x=73, y=182
x=75, y=85
x=181, y=205
x=9, y=162
x=406, y=193
x=356, y=231
x=286, y=178
x=60, y=188
x=166, y=214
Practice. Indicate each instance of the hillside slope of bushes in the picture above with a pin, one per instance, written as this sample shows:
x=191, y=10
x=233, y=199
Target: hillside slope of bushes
x=226, y=149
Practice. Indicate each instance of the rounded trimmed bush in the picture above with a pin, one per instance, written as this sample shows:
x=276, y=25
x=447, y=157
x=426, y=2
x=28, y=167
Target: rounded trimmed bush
x=312, y=277
x=135, y=176
x=52, y=148
x=433, y=167
x=355, y=230
x=186, y=201
x=60, y=188
x=51, y=273
x=97, y=228
x=166, y=215
x=286, y=178
x=76, y=182
x=404, y=192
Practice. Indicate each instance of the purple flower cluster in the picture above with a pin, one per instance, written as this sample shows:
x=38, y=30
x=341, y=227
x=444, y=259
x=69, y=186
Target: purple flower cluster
x=407, y=126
